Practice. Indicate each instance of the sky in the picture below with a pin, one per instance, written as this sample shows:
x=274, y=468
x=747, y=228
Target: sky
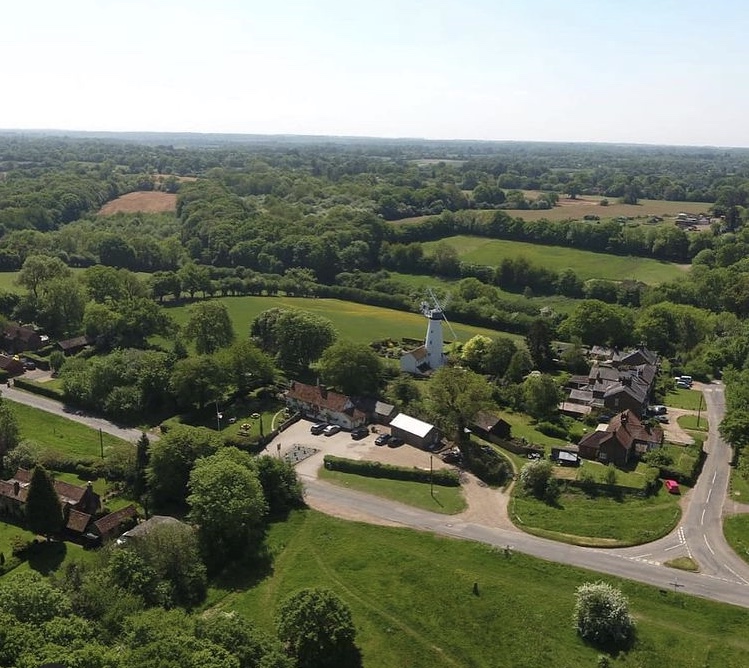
x=635, y=71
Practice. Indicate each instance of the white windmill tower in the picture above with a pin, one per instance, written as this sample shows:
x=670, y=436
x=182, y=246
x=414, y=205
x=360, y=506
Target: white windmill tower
x=435, y=340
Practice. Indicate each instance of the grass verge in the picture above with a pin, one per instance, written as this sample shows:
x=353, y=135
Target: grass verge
x=60, y=434
x=690, y=422
x=601, y=520
x=736, y=531
x=446, y=500
x=412, y=601
x=683, y=564
x=686, y=399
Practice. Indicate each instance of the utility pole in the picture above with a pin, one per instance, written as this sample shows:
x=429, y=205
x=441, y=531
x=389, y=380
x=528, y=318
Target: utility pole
x=431, y=475
x=101, y=442
x=699, y=410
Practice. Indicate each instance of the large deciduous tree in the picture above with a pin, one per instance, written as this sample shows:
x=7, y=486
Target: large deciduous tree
x=317, y=629
x=38, y=270
x=246, y=365
x=541, y=396
x=210, y=327
x=538, y=340
x=352, y=368
x=43, y=508
x=171, y=459
x=454, y=396
x=295, y=337
x=9, y=432
x=597, y=323
x=227, y=503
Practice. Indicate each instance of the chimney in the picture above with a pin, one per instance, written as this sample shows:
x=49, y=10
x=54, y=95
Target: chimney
x=16, y=487
x=624, y=418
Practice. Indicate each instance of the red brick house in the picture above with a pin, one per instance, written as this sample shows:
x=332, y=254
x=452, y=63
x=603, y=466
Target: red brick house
x=624, y=438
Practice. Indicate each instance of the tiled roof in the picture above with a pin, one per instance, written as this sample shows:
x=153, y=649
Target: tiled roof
x=321, y=398
x=78, y=521
x=487, y=421
x=110, y=522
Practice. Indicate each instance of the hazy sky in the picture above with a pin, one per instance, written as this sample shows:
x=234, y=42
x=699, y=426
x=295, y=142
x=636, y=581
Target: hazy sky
x=644, y=71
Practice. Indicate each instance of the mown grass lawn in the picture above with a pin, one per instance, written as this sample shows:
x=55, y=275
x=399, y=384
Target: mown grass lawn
x=446, y=500
x=600, y=520
x=634, y=479
x=412, y=601
x=690, y=422
x=357, y=322
x=738, y=486
x=687, y=399
x=60, y=434
x=480, y=250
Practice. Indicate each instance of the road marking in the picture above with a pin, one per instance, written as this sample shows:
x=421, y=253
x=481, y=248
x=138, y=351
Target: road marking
x=673, y=547
x=708, y=546
x=737, y=575
x=642, y=556
x=702, y=519
x=710, y=491
x=714, y=476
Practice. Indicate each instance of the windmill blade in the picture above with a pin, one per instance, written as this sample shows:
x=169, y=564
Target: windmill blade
x=452, y=331
x=446, y=301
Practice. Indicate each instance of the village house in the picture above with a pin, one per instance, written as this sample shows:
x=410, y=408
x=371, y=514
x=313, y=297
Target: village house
x=318, y=403
x=74, y=345
x=113, y=525
x=17, y=339
x=621, y=440
x=11, y=366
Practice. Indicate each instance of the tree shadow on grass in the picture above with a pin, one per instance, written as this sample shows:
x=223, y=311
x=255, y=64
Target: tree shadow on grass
x=45, y=557
x=246, y=574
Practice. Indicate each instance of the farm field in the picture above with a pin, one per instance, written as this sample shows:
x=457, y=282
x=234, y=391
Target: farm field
x=412, y=601
x=357, y=322
x=602, y=521
x=148, y=202
x=59, y=433
x=480, y=250
x=589, y=204
x=446, y=500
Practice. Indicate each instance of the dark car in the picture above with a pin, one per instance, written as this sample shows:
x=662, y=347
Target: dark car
x=395, y=442
x=359, y=433
x=318, y=429
x=663, y=419
x=382, y=439
x=452, y=457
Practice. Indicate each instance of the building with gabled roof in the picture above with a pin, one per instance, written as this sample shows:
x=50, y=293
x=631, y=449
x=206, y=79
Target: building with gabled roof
x=414, y=431
x=319, y=403
x=623, y=438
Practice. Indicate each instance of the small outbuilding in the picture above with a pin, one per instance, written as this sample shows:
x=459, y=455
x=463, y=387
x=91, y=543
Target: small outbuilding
x=414, y=432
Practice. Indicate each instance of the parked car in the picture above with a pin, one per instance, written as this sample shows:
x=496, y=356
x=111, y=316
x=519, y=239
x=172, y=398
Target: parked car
x=395, y=442
x=318, y=429
x=29, y=365
x=331, y=429
x=658, y=410
x=681, y=385
x=382, y=439
x=359, y=433
x=663, y=419
x=452, y=457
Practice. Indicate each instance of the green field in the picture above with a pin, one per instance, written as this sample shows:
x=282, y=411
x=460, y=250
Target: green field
x=357, y=322
x=446, y=500
x=59, y=433
x=490, y=252
x=412, y=601
x=601, y=520
x=690, y=400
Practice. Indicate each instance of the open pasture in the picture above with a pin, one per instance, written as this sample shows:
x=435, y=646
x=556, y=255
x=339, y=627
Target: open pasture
x=357, y=322
x=480, y=250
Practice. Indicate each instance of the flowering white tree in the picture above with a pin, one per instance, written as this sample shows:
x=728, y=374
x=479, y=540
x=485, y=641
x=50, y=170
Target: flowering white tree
x=602, y=615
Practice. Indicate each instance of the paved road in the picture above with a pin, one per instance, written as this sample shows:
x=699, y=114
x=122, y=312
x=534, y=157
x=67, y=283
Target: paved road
x=57, y=408
x=723, y=577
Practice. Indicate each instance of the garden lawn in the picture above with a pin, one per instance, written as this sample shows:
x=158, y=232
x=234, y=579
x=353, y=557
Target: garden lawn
x=599, y=520
x=634, y=479
x=412, y=602
x=690, y=422
x=736, y=531
x=356, y=322
x=101, y=487
x=446, y=500
x=491, y=252
x=60, y=434
x=684, y=456
x=687, y=399
x=522, y=428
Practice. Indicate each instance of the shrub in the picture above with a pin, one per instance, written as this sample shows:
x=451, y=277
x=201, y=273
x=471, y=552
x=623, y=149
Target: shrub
x=378, y=470
x=553, y=430
x=534, y=478
x=602, y=616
